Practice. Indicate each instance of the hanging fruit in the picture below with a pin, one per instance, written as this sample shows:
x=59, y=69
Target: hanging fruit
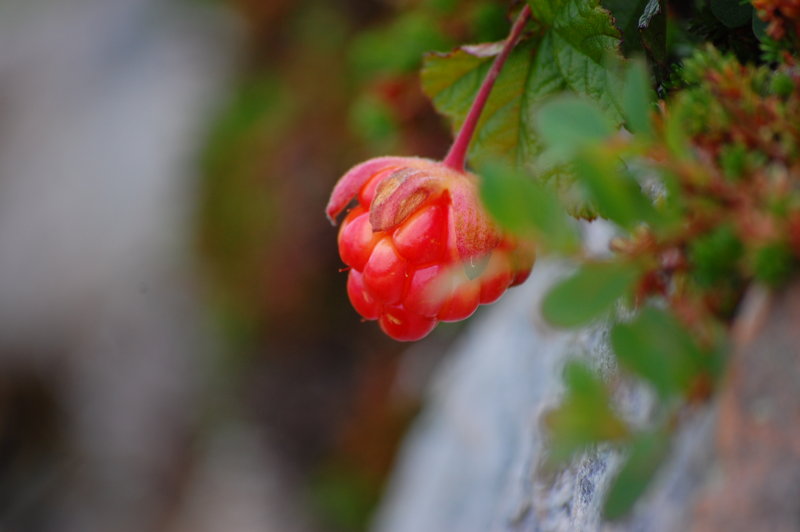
x=418, y=243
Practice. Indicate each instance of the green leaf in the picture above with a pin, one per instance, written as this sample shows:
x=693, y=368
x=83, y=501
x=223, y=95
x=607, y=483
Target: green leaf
x=626, y=15
x=616, y=193
x=527, y=208
x=659, y=349
x=635, y=18
x=675, y=134
x=452, y=80
x=589, y=293
x=732, y=13
x=581, y=37
x=568, y=123
x=647, y=453
x=774, y=263
x=569, y=51
x=759, y=27
x=643, y=24
x=584, y=417
x=637, y=98
x=716, y=255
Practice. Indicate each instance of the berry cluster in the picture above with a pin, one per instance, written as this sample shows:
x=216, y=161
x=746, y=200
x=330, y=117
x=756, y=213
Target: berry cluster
x=419, y=245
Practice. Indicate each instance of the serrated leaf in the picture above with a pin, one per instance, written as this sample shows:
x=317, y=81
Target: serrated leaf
x=568, y=123
x=589, y=293
x=657, y=348
x=568, y=53
x=581, y=38
x=647, y=453
x=452, y=80
x=584, y=417
x=527, y=208
x=626, y=15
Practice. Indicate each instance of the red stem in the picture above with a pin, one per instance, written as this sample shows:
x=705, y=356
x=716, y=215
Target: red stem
x=457, y=155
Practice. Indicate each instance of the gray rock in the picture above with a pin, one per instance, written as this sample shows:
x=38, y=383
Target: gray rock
x=104, y=107
x=473, y=460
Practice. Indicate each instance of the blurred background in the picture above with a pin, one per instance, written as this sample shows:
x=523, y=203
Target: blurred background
x=177, y=352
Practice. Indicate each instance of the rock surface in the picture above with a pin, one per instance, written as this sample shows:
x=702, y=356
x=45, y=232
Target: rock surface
x=105, y=107
x=472, y=462
x=756, y=478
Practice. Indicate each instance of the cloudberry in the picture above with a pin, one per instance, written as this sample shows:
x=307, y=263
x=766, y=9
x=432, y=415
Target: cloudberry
x=420, y=247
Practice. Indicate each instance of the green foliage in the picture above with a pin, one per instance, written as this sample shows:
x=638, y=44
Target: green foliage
x=567, y=124
x=343, y=497
x=657, y=347
x=643, y=25
x=580, y=38
x=782, y=84
x=646, y=452
x=715, y=256
x=568, y=50
x=774, y=263
x=732, y=13
x=374, y=120
x=703, y=188
x=525, y=207
x=397, y=47
x=733, y=160
x=589, y=293
x=584, y=417
x=452, y=80
x=237, y=222
x=727, y=218
x=637, y=99
x=617, y=195
x=489, y=20
x=570, y=127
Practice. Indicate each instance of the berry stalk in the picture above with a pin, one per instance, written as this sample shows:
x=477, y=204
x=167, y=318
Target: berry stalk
x=457, y=155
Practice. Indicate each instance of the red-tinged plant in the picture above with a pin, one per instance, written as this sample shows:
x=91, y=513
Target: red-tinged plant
x=781, y=16
x=419, y=245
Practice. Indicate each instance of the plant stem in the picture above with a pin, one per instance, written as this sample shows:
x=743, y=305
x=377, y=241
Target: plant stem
x=457, y=155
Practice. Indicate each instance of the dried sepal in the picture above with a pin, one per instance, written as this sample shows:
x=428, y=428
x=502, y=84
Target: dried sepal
x=354, y=179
